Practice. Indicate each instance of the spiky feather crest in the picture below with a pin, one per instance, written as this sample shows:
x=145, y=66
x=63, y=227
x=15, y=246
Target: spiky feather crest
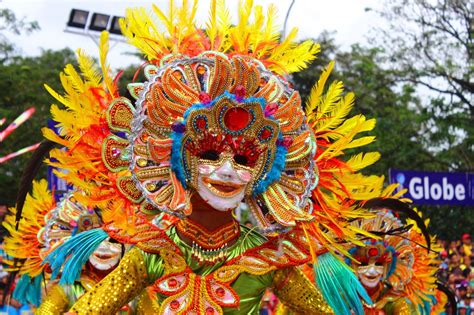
x=255, y=35
x=22, y=244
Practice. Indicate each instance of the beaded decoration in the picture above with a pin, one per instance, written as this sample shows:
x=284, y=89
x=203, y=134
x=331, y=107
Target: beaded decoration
x=410, y=269
x=222, y=88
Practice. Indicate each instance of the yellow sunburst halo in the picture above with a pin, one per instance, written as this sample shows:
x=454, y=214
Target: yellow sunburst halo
x=128, y=156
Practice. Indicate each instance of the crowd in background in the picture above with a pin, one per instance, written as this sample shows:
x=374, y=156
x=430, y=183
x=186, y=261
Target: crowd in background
x=457, y=271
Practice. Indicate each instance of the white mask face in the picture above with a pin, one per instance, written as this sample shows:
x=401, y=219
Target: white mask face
x=106, y=256
x=370, y=275
x=222, y=186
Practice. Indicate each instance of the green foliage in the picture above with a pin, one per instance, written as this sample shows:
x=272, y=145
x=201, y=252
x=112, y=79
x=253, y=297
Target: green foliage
x=21, y=87
x=401, y=120
x=377, y=96
x=430, y=45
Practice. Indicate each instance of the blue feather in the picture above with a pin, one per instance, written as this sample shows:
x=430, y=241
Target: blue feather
x=339, y=285
x=274, y=174
x=425, y=308
x=72, y=255
x=176, y=158
x=28, y=290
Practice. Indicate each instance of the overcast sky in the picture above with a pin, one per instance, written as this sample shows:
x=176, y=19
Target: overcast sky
x=347, y=17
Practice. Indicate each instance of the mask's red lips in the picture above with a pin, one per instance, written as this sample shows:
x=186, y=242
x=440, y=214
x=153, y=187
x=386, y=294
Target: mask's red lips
x=224, y=189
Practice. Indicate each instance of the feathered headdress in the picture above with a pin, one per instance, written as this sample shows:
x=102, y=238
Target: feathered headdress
x=411, y=268
x=221, y=89
x=199, y=84
x=23, y=244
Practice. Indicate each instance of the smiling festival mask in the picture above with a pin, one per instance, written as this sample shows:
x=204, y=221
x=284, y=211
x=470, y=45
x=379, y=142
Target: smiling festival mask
x=223, y=127
x=375, y=263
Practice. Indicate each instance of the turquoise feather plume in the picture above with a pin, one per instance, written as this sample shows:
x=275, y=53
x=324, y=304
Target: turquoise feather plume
x=425, y=308
x=72, y=255
x=28, y=290
x=339, y=285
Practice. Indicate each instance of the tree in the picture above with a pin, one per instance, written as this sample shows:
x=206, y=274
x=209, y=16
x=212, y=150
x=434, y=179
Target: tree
x=377, y=96
x=21, y=87
x=397, y=107
x=9, y=22
x=430, y=45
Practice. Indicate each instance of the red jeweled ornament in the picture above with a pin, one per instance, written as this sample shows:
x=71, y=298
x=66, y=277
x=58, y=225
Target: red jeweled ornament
x=201, y=123
x=204, y=98
x=210, y=311
x=236, y=119
x=373, y=252
x=174, y=304
x=220, y=292
x=239, y=91
x=287, y=142
x=116, y=152
x=172, y=283
x=265, y=134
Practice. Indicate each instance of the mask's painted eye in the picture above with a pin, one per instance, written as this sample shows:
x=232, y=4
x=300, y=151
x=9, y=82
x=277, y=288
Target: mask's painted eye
x=241, y=159
x=62, y=227
x=210, y=155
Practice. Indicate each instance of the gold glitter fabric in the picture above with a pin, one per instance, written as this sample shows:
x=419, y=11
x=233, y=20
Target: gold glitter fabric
x=147, y=304
x=55, y=302
x=298, y=294
x=401, y=307
x=117, y=288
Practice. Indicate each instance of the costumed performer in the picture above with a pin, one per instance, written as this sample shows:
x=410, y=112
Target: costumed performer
x=217, y=126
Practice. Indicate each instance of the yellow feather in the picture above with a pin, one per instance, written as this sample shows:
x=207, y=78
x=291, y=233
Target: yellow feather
x=211, y=24
x=255, y=28
x=224, y=26
x=103, y=51
x=332, y=96
x=360, y=142
x=296, y=58
x=51, y=135
x=269, y=35
x=363, y=160
x=88, y=68
x=167, y=20
x=74, y=78
x=285, y=45
x=317, y=91
x=56, y=95
x=336, y=117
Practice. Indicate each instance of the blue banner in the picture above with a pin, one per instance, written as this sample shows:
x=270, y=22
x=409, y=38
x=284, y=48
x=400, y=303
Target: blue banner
x=436, y=188
x=56, y=184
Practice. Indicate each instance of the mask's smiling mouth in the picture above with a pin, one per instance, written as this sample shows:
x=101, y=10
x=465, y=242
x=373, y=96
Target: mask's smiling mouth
x=104, y=256
x=223, y=189
x=371, y=277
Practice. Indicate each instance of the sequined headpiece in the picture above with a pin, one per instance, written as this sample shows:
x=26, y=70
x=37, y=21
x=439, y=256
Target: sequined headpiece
x=411, y=270
x=214, y=103
x=218, y=89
